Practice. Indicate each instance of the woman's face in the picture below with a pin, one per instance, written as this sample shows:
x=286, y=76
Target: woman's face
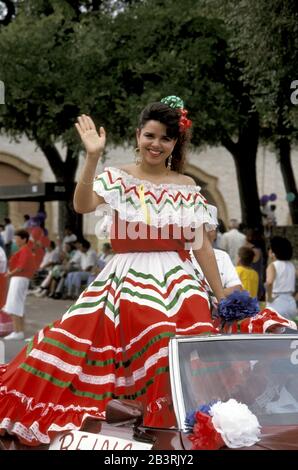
x=19, y=241
x=154, y=144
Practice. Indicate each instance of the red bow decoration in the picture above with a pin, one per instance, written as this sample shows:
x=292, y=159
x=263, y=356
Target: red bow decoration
x=205, y=436
x=184, y=122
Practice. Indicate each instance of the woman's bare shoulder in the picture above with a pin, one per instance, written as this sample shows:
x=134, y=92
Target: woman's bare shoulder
x=186, y=180
x=130, y=169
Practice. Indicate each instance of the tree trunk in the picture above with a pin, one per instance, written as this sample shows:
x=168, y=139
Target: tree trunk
x=283, y=148
x=244, y=153
x=67, y=216
x=248, y=190
x=64, y=172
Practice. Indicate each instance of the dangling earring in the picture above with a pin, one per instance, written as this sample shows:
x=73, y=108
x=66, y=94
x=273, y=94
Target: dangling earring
x=169, y=165
x=138, y=158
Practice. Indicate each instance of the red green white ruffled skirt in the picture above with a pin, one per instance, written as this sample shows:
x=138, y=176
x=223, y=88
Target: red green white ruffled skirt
x=112, y=343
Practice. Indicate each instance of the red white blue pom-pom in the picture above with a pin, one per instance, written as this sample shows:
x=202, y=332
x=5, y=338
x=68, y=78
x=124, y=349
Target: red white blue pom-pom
x=227, y=423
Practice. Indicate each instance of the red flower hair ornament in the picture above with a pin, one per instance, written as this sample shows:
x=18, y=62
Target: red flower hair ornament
x=177, y=103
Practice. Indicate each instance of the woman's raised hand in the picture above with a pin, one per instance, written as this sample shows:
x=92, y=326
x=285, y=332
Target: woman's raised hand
x=93, y=141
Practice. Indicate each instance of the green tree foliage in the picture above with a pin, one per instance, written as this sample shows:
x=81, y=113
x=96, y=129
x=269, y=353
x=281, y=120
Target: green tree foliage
x=42, y=66
x=265, y=38
x=36, y=66
x=162, y=48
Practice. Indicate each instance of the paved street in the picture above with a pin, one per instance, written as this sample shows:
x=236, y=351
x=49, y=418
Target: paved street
x=39, y=312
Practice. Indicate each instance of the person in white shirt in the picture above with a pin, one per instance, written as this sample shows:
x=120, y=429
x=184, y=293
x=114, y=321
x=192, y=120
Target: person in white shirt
x=102, y=260
x=69, y=236
x=26, y=224
x=106, y=255
x=232, y=240
x=8, y=235
x=3, y=279
x=51, y=257
x=281, y=278
x=228, y=274
x=74, y=279
x=3, y=261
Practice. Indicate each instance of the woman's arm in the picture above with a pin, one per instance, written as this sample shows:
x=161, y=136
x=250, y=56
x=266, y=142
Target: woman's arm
x=229, y=290
x=206, y=259
x=270, y=277
x=85, y=199
x=15, y=271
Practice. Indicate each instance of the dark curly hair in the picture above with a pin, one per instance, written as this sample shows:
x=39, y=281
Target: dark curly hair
x=282, y=248
x=170, y=118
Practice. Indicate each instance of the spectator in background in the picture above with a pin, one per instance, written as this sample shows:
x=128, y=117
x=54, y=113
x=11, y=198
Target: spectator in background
x=221, y=229
x=56, y=273
x=51, y=257
x=256, y=241
x=232, y=240
x=38, y=241
x=69, y=236
x=106, y=255
x=3, y=279
x=21, y=270
x=248, y=276
x=228, y=274
x=8, y=236
x=280, y=278
x=1, y=236
x=26, y=224
x=75, y=279
x=72, y=264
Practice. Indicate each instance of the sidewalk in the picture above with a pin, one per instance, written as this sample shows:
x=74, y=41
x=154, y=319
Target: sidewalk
x=38, y=313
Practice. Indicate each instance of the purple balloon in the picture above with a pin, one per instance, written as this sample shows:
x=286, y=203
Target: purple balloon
x=264, y=199
x=41, y=215
x=272, y=197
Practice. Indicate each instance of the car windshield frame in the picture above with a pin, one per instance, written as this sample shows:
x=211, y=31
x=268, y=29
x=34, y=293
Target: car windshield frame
x=175, y=347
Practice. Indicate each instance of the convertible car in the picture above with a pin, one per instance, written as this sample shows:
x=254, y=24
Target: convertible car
x=258, y=370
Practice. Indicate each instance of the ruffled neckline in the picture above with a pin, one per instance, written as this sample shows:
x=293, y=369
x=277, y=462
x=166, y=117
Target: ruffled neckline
x=137, y=181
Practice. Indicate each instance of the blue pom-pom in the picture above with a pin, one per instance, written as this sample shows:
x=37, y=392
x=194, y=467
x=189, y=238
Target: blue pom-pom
x=237, y=306
x=190, y=420
x=206, y=407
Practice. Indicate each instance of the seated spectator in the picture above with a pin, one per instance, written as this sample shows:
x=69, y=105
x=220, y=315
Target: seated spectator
x=106, y=255
x=69, y=236
x=74, y=279
x=51, y=257
x=54, y=274
x=280, y=278
x=248, y=276
x=55, y=281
